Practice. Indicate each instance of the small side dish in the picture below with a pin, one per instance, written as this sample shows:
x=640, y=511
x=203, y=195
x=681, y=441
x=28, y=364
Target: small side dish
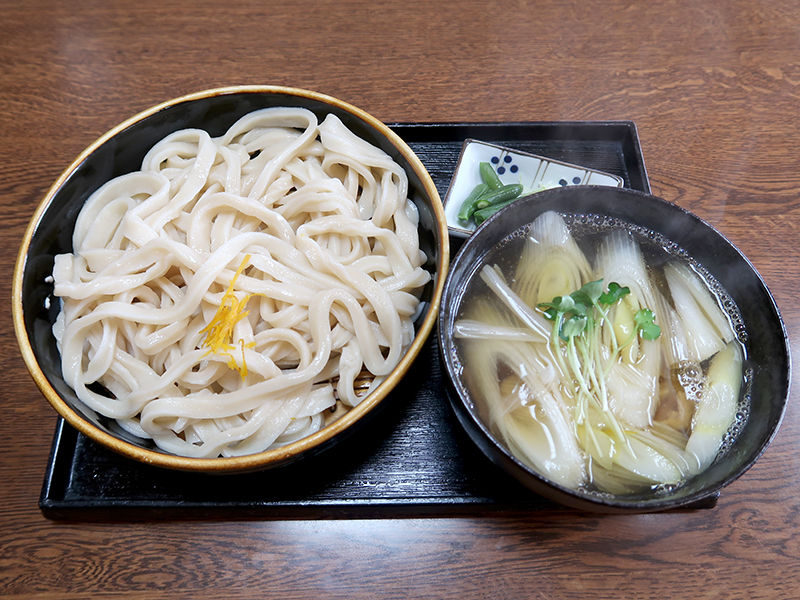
x=489, y=177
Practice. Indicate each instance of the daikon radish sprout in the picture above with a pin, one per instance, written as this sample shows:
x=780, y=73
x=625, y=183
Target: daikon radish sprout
x=576, y=320
x=619, y=259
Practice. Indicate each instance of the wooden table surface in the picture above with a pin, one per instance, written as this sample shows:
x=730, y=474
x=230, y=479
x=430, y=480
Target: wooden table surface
x=714, y=89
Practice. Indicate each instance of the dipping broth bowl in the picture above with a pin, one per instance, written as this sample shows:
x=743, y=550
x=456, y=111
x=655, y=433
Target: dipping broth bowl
x=764, y=339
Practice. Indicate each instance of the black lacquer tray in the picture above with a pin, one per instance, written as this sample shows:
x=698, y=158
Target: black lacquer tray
x=412, y=460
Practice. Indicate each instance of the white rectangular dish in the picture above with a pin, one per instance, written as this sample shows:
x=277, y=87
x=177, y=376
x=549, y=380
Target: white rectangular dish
x=533, y=172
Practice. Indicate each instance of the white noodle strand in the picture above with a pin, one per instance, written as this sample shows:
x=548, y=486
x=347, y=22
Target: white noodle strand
x=320, y=224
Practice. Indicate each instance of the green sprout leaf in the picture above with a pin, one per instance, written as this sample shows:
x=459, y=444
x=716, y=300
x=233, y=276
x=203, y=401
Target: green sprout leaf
x=550, y=314
x=573, y=326
x=614, y=294
x=576, y=315
x=561, y=304
x=644, y=323
x=589, y=294
x=579, y=309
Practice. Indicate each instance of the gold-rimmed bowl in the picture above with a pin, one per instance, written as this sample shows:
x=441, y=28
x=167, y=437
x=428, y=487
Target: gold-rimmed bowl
x=121, y=151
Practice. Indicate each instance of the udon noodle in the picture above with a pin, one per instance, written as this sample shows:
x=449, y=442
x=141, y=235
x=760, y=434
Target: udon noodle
x=220, y=300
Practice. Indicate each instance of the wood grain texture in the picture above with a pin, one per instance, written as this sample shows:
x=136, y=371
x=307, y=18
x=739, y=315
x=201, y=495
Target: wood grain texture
x=714, y=88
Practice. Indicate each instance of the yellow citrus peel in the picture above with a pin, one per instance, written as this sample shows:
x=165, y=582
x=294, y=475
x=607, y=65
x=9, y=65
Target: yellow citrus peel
x=219, y=331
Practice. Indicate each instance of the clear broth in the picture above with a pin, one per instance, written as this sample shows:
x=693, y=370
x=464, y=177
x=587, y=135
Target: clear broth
x=589, y=231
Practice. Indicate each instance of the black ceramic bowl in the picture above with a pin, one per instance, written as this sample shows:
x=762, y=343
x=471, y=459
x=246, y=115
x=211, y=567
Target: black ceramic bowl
x=764, y=338
x=121, y=151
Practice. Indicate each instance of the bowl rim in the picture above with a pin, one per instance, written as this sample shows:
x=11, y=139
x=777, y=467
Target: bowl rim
x=464, y=408
x=268, y=458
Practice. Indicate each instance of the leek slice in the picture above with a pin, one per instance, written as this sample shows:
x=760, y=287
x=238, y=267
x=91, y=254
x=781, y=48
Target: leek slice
x=532, y=418
x=707, y=326
x=551, y=263
x=717, y=408
x=471, y=329
x=633, y=382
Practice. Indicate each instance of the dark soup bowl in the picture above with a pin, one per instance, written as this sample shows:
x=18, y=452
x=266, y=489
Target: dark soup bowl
x=210, y=115
x=550, y=406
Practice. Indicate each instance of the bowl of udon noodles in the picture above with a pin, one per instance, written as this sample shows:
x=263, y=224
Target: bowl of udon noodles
x=231, y=280
x=611, y=351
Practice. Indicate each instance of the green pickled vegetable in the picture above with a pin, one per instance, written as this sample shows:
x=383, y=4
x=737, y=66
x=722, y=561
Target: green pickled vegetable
x=469, y=205
x=507, y=192
x=488, y=197
x=489, y=176
x=484, y=213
